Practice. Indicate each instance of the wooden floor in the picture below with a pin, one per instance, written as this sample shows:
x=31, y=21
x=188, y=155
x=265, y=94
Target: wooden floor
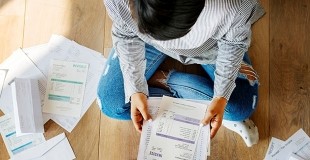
x=280, y=53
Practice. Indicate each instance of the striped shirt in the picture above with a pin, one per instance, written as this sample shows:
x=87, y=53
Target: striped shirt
x=220, y=36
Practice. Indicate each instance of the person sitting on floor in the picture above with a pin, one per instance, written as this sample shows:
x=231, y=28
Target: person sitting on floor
x=213, y=33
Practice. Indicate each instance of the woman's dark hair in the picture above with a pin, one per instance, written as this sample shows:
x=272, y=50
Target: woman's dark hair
x=166, y=19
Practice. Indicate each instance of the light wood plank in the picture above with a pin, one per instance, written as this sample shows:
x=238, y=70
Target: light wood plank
x=77, y=20
x=118, y=139
x=11, y=26
x=289, y=67
x=11, y=37
x=107, y=35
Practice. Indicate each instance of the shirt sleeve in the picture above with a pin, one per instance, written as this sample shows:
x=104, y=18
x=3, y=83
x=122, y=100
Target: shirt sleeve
x=130, y=50
x=232, y=47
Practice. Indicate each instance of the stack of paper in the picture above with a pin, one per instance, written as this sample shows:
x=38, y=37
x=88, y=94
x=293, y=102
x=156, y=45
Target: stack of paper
x=177, y=135
x=33, y=63
x=297, y=147
x=61, y=78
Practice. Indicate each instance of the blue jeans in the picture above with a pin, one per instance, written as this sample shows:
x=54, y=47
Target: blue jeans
x=111, y=97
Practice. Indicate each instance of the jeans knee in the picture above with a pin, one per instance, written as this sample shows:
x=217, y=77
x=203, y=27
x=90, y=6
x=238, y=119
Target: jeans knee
x=241, y=110
x=111, y=106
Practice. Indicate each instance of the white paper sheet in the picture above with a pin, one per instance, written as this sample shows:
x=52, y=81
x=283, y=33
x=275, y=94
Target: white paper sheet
x=33, y=63
x=293, y=156
x=27, y=106
x=65, y=88
x=62, y=48
x=15, y=144
x=274, y=145
x=203, y=145
x=55, y=148
x=298, y=143
x=175, y=129
x=2, y=78
x=19, y=65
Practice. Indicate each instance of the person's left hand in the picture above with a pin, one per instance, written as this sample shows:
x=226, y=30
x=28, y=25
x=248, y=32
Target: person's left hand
x=214, y=114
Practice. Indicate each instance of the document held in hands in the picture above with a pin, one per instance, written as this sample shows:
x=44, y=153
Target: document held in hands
x=175, y=130
x=65, y=88
x=203, y=144
x=27, y=106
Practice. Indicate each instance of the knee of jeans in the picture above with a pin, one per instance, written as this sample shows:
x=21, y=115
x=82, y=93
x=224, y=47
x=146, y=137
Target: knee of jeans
x=241, y=110
x=113, y=107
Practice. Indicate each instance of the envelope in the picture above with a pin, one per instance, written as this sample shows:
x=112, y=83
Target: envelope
x=27, y=106
x=55, y=148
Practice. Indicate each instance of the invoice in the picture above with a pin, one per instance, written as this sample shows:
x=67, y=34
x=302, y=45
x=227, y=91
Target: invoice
x=175, y=129
x=65, y=88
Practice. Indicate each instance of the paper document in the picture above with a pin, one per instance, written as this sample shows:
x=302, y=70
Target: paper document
x=27, y=106
x=274, y=145
x=62, y=48
x=33, y=63
x=55, y=148
x=297, y=146
x=65, y=88
x=18, y=65
x=2, y=78
x=175, y=130
x=15, y=144
x=203, y=144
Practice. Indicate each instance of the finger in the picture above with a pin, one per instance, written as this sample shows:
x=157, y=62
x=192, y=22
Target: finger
x=136, y=118
x=137, y=122
x=207, y=119
x=216, y=124
x=145, y=114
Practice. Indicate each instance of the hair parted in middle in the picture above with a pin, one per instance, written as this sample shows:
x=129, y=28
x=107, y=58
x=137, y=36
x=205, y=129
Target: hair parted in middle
x=166, y=19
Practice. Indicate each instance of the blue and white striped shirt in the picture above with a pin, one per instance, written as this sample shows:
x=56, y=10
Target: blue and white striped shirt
x=220, y=36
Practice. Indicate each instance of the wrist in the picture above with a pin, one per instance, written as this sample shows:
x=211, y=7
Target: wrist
x=219, y=101
x=138, y=95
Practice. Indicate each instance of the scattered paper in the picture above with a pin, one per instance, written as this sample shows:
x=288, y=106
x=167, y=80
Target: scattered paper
x=62, y=48
x=274, y=145
x=175, y=130
x=15, y=144
x=27, y=106
x=19, y=65
x=65, y=88
x=2, y=78
x=55, y=148
x=203, y=145
x=296, y=147
x=33, y=63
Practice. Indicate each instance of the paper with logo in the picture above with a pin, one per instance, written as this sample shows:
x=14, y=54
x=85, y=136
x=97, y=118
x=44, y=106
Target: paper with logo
x=65, y=88
x=175, y=130
x=203, y=144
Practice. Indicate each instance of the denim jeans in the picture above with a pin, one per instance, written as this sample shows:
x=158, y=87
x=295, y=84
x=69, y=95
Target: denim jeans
x=111, y=97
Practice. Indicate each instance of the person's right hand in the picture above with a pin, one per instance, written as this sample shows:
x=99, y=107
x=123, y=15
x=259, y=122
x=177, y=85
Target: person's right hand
x=139, y=110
